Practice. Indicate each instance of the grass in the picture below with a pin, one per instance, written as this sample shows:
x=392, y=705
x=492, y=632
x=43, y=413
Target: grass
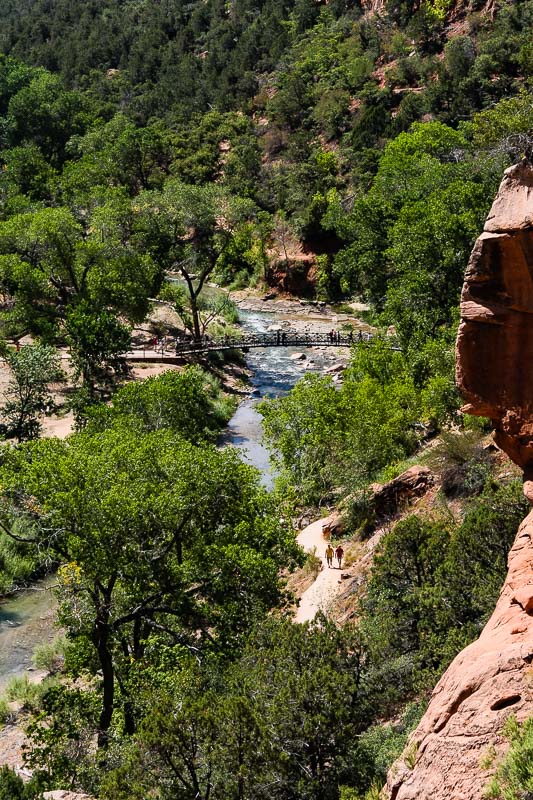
x=50, y=656
x=21, y=690
x=6, y=713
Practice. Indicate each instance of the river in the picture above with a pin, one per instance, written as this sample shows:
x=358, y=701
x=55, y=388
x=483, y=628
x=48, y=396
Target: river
x=27, y=620
x=274, y=372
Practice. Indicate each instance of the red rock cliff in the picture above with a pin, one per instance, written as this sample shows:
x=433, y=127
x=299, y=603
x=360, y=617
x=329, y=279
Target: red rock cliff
x=493, y=677
x=495, y=341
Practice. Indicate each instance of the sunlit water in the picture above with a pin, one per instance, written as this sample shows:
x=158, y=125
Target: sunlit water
x=26, y=621
x=274, y=373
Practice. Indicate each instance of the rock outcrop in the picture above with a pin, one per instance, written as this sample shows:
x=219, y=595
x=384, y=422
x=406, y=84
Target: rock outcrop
x=490, y=679
x=493, y=677
x=389, y=498
x=495, y=341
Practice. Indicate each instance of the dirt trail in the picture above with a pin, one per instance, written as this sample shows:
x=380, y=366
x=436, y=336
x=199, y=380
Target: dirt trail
x=327, y=584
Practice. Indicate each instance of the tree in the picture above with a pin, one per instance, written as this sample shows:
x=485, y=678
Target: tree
x=158, y=539
x=33, y=368
x=98, y=342
x=189, y=403
x=272, y=725
x=186, y=229
x=56, y=261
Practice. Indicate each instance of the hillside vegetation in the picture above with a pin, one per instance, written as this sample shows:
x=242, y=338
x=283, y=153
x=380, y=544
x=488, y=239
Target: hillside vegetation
x=302, y=145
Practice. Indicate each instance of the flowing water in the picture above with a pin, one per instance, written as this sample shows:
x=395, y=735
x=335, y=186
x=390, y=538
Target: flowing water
x=26, y=620
x=274, y=372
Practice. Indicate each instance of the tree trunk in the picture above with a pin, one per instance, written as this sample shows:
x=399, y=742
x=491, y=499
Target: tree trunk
x=195, y=313
x=101, y=641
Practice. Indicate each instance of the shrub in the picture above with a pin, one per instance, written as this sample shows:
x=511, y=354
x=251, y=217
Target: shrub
x=463, y=464
x=50, y=656
x=6, y=714
x=513, y=779
x=29, y=694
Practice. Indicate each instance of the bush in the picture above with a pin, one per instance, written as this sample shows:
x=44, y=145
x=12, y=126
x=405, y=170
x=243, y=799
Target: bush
x=513, y=779
x=6, y=714
x=30, y=695
x=50, y=656
x=463, y=464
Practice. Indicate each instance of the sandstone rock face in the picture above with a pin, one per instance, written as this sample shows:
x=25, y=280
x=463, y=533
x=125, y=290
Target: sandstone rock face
x=489, y=680
x=495, y=340
x=493, y=677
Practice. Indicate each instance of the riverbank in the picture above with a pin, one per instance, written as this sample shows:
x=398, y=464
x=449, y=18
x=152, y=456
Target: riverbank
x=305, y=314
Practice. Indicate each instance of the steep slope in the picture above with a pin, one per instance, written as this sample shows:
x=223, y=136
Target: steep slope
x=492, y=677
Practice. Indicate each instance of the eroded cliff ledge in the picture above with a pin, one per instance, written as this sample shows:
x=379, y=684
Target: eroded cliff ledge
x=493, y=677
x=495, y=340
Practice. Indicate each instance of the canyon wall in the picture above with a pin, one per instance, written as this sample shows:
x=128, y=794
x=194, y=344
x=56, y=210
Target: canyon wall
x=493, y=677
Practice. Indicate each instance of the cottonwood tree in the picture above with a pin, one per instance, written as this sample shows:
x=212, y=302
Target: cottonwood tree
x=27, y=394
x=187, y=229
x=158, y=539
x=50, y=262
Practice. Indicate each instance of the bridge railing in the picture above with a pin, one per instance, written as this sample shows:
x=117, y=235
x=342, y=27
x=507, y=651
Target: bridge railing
x=249, y=340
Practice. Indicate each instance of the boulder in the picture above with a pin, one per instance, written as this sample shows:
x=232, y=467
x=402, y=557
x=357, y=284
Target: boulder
x=298, y=357
x=495, y=340
x=333, y=526
x=388, y=498
x=60, y=794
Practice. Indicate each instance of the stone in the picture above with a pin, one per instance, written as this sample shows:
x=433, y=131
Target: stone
x=388, y=498
x=495, y=339
x=333, y=526
x=298, y=357
x=60, y=794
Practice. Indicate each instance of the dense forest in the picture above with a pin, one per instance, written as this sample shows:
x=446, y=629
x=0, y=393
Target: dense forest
x=217, y=141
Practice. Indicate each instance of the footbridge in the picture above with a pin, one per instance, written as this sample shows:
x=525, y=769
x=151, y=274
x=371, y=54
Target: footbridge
x=173, y=350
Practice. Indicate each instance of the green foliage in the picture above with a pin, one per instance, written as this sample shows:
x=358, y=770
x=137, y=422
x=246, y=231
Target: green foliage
x=280, y=722
x=98, y=342
x=513, y=779
x=383, y=744
x=50, y=656
x=463, y=463
x=19, y=561
x=325, y=437
x=29, y=695
x=32, y=368
x=61, y=737
x=189, y=403
x=6, y=714
x=12, y=787
x=157, y=537
x=432, y=588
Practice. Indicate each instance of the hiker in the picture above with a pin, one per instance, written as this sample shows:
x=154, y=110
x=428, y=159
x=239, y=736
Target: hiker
x=360, y=336
x=339, y=552
x=350, y=336
x=329, y=555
